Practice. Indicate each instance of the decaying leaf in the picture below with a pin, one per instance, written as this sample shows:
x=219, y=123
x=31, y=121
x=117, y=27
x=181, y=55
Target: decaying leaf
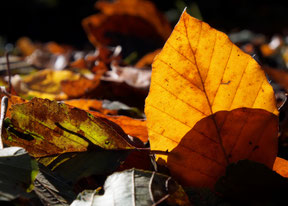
x=131, y=19
x=52, y=190
x=18, y=171
x=136, y=78
x=90, y=104
x=245, y=133
x=12, y=99
x=281, y=166
x=278, y=75
x=133, y=127
x=46, y=127
x=147, y=59
x=198, y=73
x=79, y=87
x=85, y=164
x=251, y=183
x=45, y=83
x=135, y=187
x=26, y=46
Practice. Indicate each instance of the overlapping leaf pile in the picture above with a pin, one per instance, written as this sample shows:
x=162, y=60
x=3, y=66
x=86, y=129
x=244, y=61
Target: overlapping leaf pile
x=211, y=118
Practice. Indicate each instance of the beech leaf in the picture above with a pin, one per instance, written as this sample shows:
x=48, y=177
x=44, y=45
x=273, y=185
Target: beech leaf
x=45, y=127
x=198, y=73
x=246, y=133
x=135, y=187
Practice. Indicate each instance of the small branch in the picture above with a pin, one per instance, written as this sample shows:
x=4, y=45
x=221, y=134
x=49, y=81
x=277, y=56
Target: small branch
x=160, y=152
x=4, y=106
x=8, y=71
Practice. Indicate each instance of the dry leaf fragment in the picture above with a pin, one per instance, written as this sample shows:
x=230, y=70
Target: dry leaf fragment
x=80, y=87
x=90, y=104
x=138, y=18
x=281, y=166
x=133, y=127
x=45, y=83
x=147, y=59
x=12, y=99
x=280, y=76
x=26, y=46
x=246, y=133
x=198, y=73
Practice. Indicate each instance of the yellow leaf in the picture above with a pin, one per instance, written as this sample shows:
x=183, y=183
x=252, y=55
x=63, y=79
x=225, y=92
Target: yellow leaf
x=45, y=84
x=198, y=73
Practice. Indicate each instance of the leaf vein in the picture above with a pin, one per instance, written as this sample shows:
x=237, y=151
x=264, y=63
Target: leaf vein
x=191, y=106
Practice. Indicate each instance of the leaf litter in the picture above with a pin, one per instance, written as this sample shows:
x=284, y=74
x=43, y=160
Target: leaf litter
x=210, y=122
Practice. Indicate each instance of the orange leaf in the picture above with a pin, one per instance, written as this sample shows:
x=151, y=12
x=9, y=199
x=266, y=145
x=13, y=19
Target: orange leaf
x=134, y=18
x=278, y=75
x=132, y=127
x=12, y=99
x=26, y=46
x=281, y=167
x=198, y=73
x=80, y=87
x=90, y=104
x=246, y=133
x=147, y=59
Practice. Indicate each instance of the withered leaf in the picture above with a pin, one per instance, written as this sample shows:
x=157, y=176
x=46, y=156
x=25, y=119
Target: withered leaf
x=131, y=19
x=245, y=133
x=136, y=187
x=198, y=73
x=46, y=127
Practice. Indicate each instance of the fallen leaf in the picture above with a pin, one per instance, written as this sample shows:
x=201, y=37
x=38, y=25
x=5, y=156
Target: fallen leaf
x=90, y=104
x=26, y=46
x=80, y=87
x=147, y=59
x=18, y=172
x=55, y=48
x=133, y=127
x=44, y=84
x=46, y=127
x=135, y=187
x=198, y=73
x=251, y=183
x=52, y=190
x=135, y=78
x=85, y=164
x=79, y=63
x=280, y=76
x=131, y=19
x=281, y=167
x=245, y=133
x=12, y=99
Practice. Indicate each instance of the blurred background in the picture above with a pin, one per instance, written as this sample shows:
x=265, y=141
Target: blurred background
x=60, y=20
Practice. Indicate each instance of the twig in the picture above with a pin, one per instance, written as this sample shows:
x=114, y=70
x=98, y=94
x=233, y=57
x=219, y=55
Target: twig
x=160, y=152
x=4, y=106
x=8, y=71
